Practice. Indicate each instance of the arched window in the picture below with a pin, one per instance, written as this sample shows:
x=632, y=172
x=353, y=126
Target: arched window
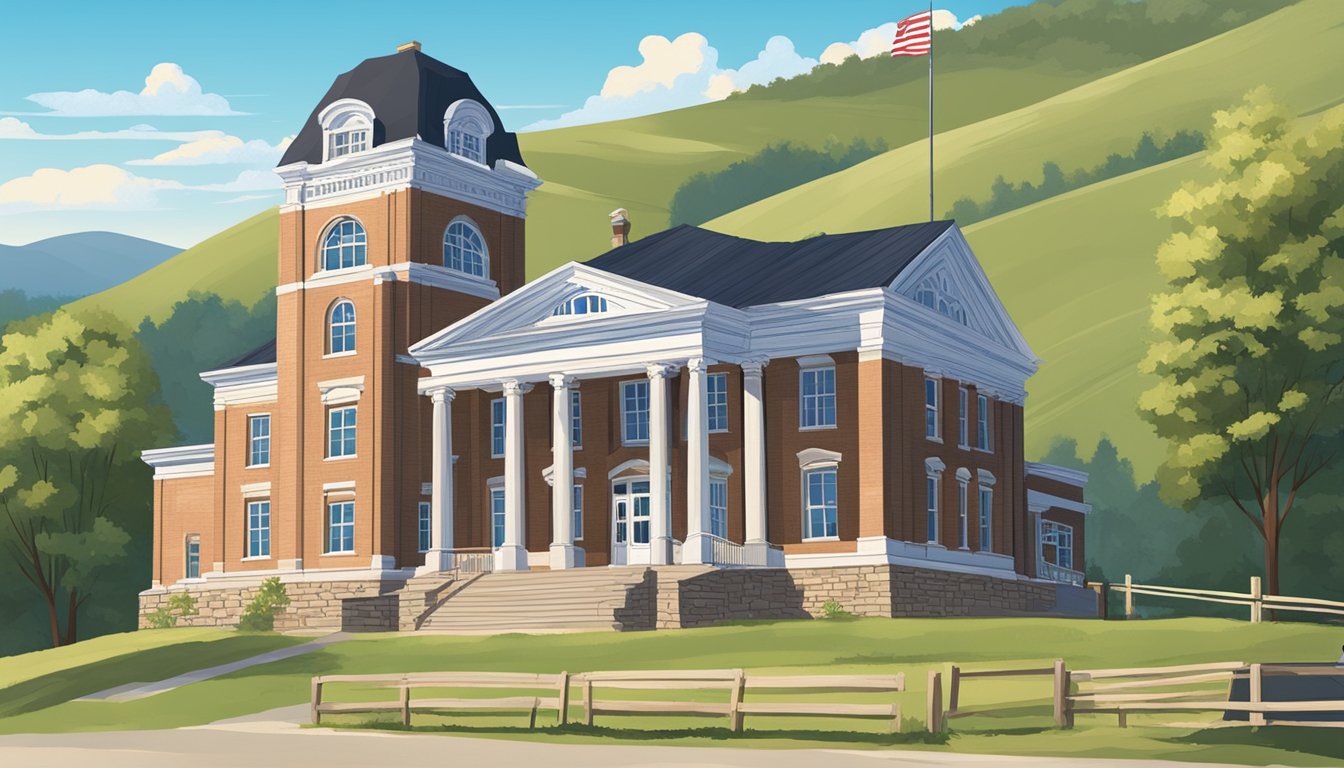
x=583, y=304
x=341, y=327
x=936, y=293
x=466, y=127
x=347, y=125
x=464, y=249
x=345, y=245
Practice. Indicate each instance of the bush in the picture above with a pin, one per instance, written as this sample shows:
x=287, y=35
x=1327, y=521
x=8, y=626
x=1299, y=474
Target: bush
x=259, y=615
x=167, y=615
x=832, y=610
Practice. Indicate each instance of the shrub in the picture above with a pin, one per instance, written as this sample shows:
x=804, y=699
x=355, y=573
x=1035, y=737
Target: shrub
x=167, y=615
x=832, y=610
x=259, y=615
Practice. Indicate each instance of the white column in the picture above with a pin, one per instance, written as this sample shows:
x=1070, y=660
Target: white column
x=699, y=546
x=660, y=529
x=440, y=557
x=512, y=554
x=753, y=456
x=563, y=552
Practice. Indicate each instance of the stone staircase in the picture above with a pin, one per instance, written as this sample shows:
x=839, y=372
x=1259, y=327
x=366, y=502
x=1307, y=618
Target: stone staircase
x=582, y=599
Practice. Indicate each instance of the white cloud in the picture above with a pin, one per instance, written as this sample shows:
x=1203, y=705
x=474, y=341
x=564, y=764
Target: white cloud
x=249, y=198
x=247, y=181
x=778, y=59
x=877, y=41
x=168, y=91
x=94, y=186
x=220, y=150
x=14, y=129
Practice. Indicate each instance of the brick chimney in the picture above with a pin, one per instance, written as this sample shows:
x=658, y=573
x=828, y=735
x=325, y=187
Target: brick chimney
x=414, y=45
x=620, y=227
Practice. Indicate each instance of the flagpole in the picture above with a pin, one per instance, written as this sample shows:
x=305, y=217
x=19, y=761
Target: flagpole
x=930, y=110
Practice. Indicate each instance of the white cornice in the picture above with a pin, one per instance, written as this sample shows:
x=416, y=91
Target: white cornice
x=430, y=275
x=243, y=385
x=1075, y=477
x=1038, y=501
x=181, y=461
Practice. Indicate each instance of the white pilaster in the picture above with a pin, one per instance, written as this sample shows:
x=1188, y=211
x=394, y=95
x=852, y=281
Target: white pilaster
x=563, y=552
x=512, y=554
x=660, y=528
x=440, y=557
x=698, y=547
x=753, y=454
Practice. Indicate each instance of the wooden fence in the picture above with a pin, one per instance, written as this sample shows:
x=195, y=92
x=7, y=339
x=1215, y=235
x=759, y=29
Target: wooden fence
x=552, y=692
x=1255, y=600
x=958, y=675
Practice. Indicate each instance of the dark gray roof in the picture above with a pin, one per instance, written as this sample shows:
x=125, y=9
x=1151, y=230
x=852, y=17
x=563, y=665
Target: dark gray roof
x=409, y=92
x=263, y=354
x=741, y=273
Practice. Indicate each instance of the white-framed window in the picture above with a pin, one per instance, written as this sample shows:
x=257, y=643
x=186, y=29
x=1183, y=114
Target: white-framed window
x=937, y=293
x=933, y=427
x=259, y=440
x=635, y=412
x=718, y=507
x=986, y=519
x=816, y=399
x=259, y=528
x=1057, y=544
x=717, y=392
x=982, y=407
x=964, y=417
x=963, y=514
x=583, y=304
x=467, y=125
x=466, y=144
x=341, y=432
x=345, y=245
x=345, y=143
x=575, y=420
x=498, y=414
x=496, y=517
x=423, y=525
x=464, y=249
x=576, y=508
x=820, y=510
x=931, y=488
x=341, y=327
x=340, y=527
x=193, y=555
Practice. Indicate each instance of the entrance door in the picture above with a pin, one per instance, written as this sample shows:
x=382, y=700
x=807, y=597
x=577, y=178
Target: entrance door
x=630, y=522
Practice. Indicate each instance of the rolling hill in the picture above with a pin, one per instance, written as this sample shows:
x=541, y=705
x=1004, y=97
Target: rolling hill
x=78, y=264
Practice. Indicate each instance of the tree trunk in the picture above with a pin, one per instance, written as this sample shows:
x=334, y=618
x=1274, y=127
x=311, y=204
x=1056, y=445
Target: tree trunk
x=71, y=619
x=1270, y=515
x=54, y=618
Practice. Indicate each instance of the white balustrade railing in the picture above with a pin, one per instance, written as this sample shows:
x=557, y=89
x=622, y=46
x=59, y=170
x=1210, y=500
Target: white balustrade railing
x=472, y=561
x=1052, y=572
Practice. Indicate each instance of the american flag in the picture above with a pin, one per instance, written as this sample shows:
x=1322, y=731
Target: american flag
x=914, y=35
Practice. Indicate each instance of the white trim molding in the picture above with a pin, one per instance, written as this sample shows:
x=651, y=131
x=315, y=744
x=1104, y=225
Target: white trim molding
x=341, y=391
x=1074, y=477
x=817, y=457
x=243, y=385
x=1040, y=502
x=181, y=461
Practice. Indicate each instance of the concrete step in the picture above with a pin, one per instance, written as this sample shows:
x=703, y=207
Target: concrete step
x=578, y=599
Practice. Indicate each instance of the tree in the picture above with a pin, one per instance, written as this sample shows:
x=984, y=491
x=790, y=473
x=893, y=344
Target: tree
x=76, y=410
x=1247, y=355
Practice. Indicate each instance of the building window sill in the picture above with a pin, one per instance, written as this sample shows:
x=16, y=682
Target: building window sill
x=989, y=451
x=807, y=539
x=254, y=558
x=338, y=554
x=350, y=353
x=816, y=427
x=341, y=458
x=934, y=439
x=634, y=443
x=258, y=466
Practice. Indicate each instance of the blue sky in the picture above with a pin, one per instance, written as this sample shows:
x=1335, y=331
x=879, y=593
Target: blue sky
x=226, y=87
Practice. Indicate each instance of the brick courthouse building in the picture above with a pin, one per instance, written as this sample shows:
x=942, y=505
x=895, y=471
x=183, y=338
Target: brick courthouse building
x=767, y=425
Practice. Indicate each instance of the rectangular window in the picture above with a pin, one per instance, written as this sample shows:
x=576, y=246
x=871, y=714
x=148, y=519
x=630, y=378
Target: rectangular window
x=635, y=412
x=1057, y=544
x=576, y=507
x=498, y=413
x=348, y=142
x=193, y=557
x=717, y=386
x=932, y=429
x=340, y=527
x=820, y=512
x=259, y=440
x=986, y=519
x=259, y=529
x=496, y=517
x=718, y=508
x=982, y=422
x=817, y=398
x=963, y=516
x=575, y=420
x=963, y=408
x=341, y=432
x=424, y=525
x=931, y=491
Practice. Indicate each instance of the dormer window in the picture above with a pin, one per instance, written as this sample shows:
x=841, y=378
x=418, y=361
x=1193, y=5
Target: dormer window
x=347, y=125
x=936, y=293
x=584, y=304
x=467, y=126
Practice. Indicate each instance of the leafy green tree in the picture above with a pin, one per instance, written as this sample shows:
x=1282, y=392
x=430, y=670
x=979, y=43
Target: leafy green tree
x=76, y=410
x=1249, y=329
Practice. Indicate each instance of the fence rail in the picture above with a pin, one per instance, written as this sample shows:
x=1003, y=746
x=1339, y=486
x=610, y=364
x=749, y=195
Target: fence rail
x=1256, y=600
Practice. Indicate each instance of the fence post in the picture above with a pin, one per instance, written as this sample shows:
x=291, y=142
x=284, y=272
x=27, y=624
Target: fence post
x=1257, y=595
x=1256, y=697
x=563, y=714
x=1061, y=693
x=406, y=705
x=735, y=701
x=953, y=690
x=935, y=707
x=1129, y=596
x=587, y=701
x=317, y=701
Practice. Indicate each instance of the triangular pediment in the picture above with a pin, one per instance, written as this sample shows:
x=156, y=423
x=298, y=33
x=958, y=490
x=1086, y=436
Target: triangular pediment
x=949, y=286
x=568, y=295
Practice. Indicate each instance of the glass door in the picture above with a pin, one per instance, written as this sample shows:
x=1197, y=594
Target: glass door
x=630, y=522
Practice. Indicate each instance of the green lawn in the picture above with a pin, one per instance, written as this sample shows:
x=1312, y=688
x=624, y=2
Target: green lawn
x=913, y=646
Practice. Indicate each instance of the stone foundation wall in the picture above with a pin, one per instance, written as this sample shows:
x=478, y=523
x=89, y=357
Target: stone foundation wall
x=370, y=614
x=312, y=604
